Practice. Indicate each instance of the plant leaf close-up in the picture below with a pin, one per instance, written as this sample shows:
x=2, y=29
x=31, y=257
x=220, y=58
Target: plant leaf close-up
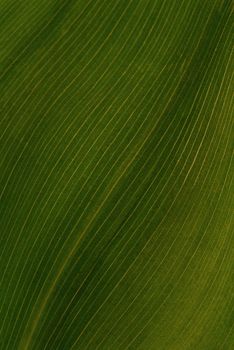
x=116, y=175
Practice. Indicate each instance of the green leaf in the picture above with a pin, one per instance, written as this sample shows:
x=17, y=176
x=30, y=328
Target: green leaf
x=116, y=175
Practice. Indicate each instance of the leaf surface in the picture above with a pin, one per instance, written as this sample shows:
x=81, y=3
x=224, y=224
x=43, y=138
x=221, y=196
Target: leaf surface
x=116, y=175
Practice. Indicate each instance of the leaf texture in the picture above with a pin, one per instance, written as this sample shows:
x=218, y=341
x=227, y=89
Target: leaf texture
x=116, y=175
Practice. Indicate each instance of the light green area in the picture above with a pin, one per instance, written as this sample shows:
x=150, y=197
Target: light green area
x=116, y=175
